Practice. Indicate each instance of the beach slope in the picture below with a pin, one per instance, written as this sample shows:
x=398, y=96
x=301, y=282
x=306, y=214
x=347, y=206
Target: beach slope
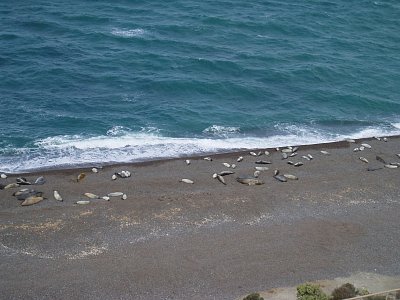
x=206, y=240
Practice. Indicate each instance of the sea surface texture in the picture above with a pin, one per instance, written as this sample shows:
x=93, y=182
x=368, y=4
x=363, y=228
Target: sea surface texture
x=86, y=82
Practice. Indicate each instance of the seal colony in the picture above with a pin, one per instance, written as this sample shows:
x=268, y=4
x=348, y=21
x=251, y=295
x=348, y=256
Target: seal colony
x=258, y=159
x=323, y=217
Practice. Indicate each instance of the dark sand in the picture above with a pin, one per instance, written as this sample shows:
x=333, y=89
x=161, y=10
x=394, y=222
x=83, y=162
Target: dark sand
x=171, y=240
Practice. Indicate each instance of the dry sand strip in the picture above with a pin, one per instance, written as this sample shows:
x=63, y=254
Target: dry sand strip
x=204, y=240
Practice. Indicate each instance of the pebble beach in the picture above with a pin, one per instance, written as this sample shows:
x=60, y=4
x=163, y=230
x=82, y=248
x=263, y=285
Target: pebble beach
x=170, y=239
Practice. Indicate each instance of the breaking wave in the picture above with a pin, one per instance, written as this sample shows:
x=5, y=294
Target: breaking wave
x=121, y=145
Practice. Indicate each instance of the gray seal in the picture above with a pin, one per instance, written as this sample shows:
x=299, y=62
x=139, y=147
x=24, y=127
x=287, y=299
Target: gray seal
x=224, y=173
x=221, y=179
x=249, y=180
x=263, y=162
x=40, y=180
x=280, y=178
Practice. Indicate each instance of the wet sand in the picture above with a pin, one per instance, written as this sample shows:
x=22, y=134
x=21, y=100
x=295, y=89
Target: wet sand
x=172, y=240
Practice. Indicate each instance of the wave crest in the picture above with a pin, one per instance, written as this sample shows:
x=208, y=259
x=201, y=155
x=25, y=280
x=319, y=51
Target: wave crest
x=128, y=33
x=218, y=130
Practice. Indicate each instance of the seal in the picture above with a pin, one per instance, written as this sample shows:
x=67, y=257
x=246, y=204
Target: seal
x=266, y=152
x=57, y=196
x=363, y=159
x=226, y=165
x=187, y=162
x=31, y=200
x=280, y=178
x=3, y=176
x=256, y=174
x=284, y=155
x=80, y=177
x=83, y=202
x=115, y=194
x=11, y=186
x=23, y=181
x=253, y=153
x=40, y=180
x=123, y=174
x=293, y=154
x=91, y=196
x=249, y=180
x=262, y=168
x=366, y=145
x=207, y=158
x=263, y=162
x=25, y=193
x=95, y=170
x=224, y=173
x=240, y=158
x=325, y=152
x=221, y=179
x=306, y=157
x=391, y=166
x=185, y=180
x=291, y=177
x=298, y=164
x=276, y=172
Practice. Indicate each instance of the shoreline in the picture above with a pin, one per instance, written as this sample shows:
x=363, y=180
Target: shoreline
x=228, y=154
x=206, y=240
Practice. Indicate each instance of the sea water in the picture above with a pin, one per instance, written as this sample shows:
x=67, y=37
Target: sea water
x=86, y=82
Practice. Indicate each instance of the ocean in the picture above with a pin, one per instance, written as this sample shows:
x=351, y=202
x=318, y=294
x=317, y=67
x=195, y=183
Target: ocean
x=99, y=82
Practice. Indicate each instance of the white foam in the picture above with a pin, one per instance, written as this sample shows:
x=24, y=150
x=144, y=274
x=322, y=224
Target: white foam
x=219, y=130
x=117, y=131
x=122, y=145
x=128, y=33
x=396, y=125
x=377, y=131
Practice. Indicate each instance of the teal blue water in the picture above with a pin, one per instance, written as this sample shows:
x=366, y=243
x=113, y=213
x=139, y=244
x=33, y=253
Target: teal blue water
x=111, y=81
